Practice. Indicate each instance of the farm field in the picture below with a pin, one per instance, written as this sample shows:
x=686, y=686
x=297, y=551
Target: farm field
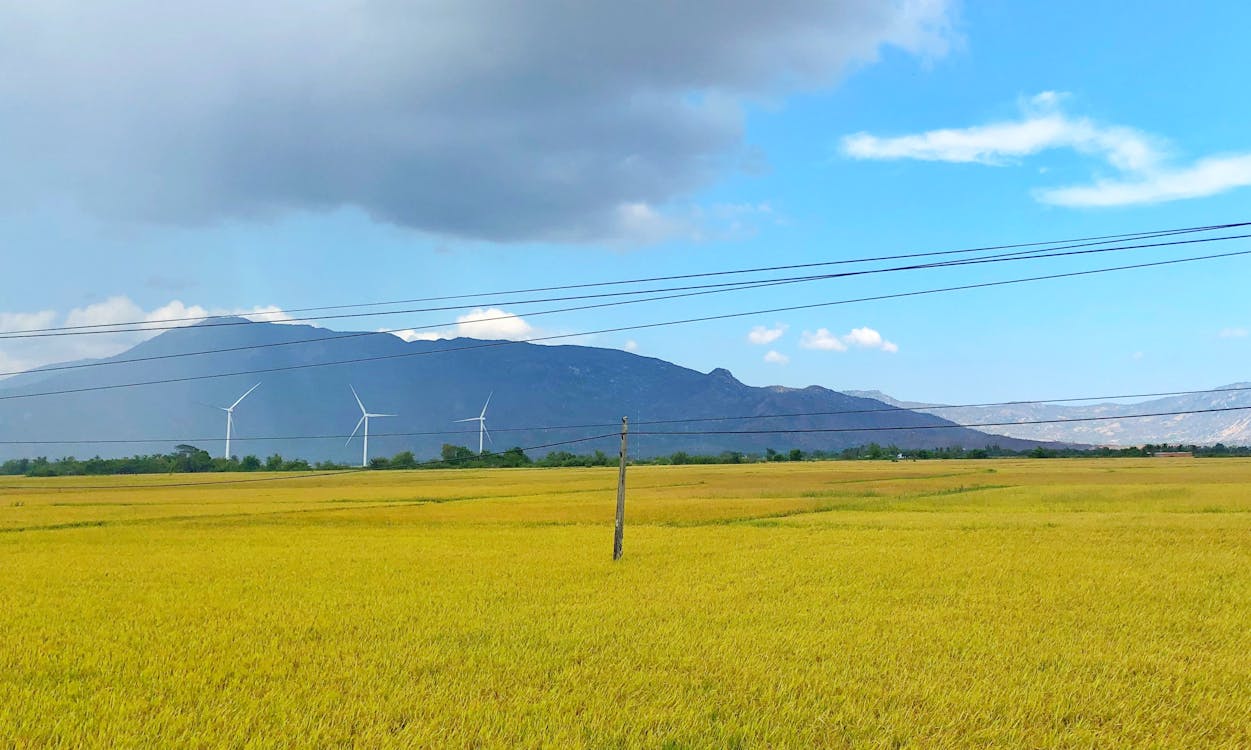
x=1039, y=603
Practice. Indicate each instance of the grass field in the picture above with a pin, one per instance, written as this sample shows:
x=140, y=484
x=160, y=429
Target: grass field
x=1078, y=603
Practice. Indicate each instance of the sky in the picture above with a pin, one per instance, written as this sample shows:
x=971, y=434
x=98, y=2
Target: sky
x=172, y=160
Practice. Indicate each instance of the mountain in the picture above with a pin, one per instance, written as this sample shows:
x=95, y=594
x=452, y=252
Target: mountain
x=1230, y=427
x=428, y=384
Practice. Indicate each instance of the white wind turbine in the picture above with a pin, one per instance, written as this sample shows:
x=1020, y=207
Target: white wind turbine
x=365, y=415
x=481, y=420
x=230, y=417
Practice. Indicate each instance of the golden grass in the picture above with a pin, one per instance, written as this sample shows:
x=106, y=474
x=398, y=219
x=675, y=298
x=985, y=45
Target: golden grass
x=932, y=604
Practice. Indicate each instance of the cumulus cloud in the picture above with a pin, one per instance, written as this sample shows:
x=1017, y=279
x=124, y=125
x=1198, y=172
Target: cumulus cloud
x=631, y=346
x=484, y=119
x=776, y=357
x=1140, y=158
x=857, y=338
x=23, y=354
x=761, y=335
x=822, y=339
x=493, y=323
x=479, y=323
x=1233, y=333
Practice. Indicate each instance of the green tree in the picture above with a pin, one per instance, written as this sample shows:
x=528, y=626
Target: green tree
x=455, y=454
x=404, y=460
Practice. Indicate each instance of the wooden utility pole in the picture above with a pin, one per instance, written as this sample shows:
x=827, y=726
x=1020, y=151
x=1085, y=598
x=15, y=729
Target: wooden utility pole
x=620, y=528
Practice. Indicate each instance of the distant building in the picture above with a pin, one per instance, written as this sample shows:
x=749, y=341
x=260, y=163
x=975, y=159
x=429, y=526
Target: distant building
x=1173, y=454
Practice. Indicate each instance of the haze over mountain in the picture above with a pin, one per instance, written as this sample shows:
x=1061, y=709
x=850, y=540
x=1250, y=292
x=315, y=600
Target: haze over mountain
x=1229, y=427
x=428, y=385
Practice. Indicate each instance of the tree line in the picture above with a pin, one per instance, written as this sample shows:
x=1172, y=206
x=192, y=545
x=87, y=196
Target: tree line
x=188, y=459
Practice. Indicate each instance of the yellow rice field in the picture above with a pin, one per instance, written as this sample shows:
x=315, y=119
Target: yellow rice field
x=1043, y=603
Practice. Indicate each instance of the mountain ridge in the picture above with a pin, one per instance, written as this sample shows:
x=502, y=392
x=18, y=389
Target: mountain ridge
x=429, y=384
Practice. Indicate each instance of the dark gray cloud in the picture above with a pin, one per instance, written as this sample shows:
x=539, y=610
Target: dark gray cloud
x=484, y=119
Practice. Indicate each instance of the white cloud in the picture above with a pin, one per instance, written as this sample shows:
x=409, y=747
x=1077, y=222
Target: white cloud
x=822, y=339
x=867, y=338
x=631, y=346
x=858, y=338
x=493, y=323
x=761, y=335
x=1233, y=333
x=409, y=334
x=27, y=321
x=18, y=355
x=1042, y=127
x=265, y=314
x=24, y=354
x=479, y=323
x=776, y=357
x=1138, y=156
x=1205, y=177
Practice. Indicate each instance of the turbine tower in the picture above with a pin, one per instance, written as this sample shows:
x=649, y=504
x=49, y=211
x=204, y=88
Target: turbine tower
x=230, y=417
x=365, y=415
x=481, y=420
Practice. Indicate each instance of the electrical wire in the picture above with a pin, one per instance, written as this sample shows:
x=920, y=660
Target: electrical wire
x=737, y=286
x=1098, y=239
x=706, y=289
x=634, y=327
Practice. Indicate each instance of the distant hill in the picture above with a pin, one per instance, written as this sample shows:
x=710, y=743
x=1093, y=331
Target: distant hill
x=428, y=387
x=1230, y=428
x=887, y=399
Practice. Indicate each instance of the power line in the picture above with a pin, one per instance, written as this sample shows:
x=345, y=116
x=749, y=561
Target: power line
x=148, y=325
x=714, y=288
x=738, y=286
x=1052, y=252
x=688, y=420
x=619, y=329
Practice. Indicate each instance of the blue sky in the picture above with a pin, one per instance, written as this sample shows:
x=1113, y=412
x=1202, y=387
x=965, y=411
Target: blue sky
x=926, y=127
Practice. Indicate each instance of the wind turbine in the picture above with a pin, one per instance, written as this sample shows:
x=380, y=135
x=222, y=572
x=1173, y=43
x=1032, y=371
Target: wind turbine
x=481, y=420
x=365, y=415
x=230, y=417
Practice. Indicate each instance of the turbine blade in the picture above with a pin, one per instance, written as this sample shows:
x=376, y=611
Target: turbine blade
x=471, y=419
x=245, y=395
x=358, y=426
x=488, y=403
x=487, y=432
x=358, y=399
x=383, y=415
